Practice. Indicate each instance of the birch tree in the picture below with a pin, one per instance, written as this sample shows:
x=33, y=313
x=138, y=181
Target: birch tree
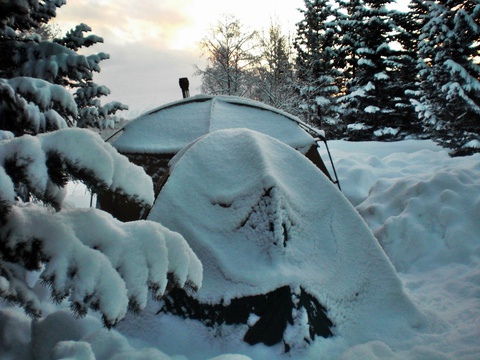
x=231, y=54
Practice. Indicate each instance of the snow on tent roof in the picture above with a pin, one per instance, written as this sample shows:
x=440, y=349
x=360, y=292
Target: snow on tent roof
x=169, y=128
x=260, y=216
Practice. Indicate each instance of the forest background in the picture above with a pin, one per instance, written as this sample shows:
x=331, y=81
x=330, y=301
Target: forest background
x=361, y=70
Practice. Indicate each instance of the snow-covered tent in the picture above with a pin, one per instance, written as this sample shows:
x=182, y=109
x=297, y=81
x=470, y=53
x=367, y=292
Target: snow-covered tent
x=154, y=138
x=286, y=257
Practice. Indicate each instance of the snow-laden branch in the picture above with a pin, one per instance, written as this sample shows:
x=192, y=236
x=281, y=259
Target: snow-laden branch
x=84, y=255
x=35, y=105
x=43, y=163
x=92, y=259
x=470, y=83
x=43, y=94
x=75, y=39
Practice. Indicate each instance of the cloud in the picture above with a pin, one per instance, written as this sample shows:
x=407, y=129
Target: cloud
x=121, y=21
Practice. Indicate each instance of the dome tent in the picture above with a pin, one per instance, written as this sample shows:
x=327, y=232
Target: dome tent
x=152, y=139
x=169, y=128
x=286, y=257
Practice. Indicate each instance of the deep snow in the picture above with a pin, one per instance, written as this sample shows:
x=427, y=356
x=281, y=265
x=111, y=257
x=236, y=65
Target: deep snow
x=424, y=208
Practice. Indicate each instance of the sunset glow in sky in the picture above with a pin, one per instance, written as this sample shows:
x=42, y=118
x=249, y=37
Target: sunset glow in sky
x=152, y=43
x=177, y=24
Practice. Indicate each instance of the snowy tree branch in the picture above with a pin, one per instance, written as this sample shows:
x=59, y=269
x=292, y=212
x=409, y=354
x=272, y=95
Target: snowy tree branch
x=85, y=255
x=44, y=162
x=92, y=259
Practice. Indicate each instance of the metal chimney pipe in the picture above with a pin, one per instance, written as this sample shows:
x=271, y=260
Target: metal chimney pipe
x=183, y=82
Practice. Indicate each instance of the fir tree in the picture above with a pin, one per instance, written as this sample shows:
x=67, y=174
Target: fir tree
x=450, y=70
x=374, y=93
x=410, y=25
x=317, y=63
x=91, y=111
x=26, y=54
x=83, y=255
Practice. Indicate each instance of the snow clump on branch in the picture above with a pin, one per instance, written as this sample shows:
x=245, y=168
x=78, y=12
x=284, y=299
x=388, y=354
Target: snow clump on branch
x=84, y=255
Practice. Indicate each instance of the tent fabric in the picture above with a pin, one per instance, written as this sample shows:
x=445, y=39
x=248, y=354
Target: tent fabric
x=156, y=166
x=169, y=128
x=154, y=138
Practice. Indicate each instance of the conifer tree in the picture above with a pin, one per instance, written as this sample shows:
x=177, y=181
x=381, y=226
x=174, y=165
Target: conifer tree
x=350, y=37
x=450, y=72
x=409, y=28
x=53, y=65
x=91, y=111
x=318, y=61
x=83, y=255
x=374, y=92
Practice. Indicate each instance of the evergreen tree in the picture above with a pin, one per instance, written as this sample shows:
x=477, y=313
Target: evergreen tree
x=25, y=54
x=83, y=255
x=91, y=112
x=375, y=94
x=231, y=59
x=318, y=62
x=450, y=70
x=410, y=25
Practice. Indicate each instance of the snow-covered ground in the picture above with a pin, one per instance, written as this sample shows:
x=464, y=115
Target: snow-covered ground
x=423, y=207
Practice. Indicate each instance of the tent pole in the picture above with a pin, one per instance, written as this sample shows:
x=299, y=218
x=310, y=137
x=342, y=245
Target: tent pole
x=331, y=162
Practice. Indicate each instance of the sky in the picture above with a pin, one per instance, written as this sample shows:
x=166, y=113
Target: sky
x=153, y=43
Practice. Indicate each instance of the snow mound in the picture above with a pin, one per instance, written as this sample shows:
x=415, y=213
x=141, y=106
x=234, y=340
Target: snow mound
x=359, y=167
x=250, y=199
x=429, y=228
x=404, y=215
x=422, y=204
x=62, y=336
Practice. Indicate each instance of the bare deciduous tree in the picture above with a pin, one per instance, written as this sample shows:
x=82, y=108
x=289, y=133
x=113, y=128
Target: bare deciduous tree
x=275, y=71
x=230, y=51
